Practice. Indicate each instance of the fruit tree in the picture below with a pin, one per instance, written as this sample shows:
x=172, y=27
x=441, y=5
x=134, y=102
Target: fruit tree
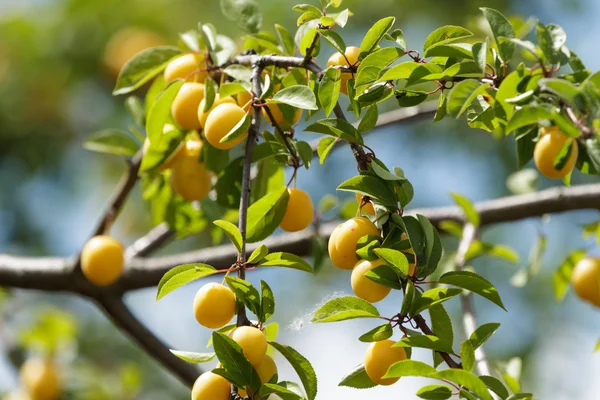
x=216, y=120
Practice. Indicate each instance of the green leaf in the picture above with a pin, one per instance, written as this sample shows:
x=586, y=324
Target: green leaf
x=302, y=367
x=329, y=89
x=267, y=303
x=112, y=141
x=463, y=94
x=425, y=342
x=561, y=278
x=374, y=36
x=193, y=358
x=384, y=173
x=228, y=186
x=433, y=297
x=265, y=215
x=372, y=187
x=467, y=207
x=473, y=282
x=325, y=146
x=467, y=355
x=244, y=13
x=144, y=66
x=358, y=379
x=441, y=324
x=343, y=308
x=386, y=276
x=445, y=34
x=299, y=96
x=480, y=52
x=567, y=91
x=210, y=93
x=285, y=39
x=551, y=38
x=240, y=129
x=478, y=248
x=381, y=332
x=280, y=392
x=234, y=361
x=529, y=115
x=160, y=113
x=453, y=50
x=395, y=259
x=338, y=128
x=181, y=275
x=245, y=292
x=239, y=72
x=334, y=39
x=483, y=333
x=410, y=368
x=495, y=386
x=466, y=379
x=441, y=108
x=433, y=246
x=287, y=260
x=398, y=37
x=369, y=121
x=435, y=392
x=370, y=67
x=501, y=27
x=232, y=232
x=258, y=254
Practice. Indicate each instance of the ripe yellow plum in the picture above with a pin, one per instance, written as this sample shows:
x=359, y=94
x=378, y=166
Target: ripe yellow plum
x=185, y=106
x=343, y=240
x=252, y=341
x=299, y=212
x=203, y=116
x=585, y=279
x=243, y=98
x=338, y=59
x=214, y=305
x=190, y=178
x=266, y=370
x=367, y=207
x=210, y=386
x=102, y=260
x=190, y=66
x=220, y=122
x=379, y=358
x=364, y=287
x=548, y=148
x=41, y=379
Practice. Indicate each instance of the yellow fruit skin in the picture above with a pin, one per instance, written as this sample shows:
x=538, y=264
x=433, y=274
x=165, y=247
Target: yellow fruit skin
x=190, y=66
x=266, y=369
x=243, y=98
x=367, y=208
x=185, y=106
x=299, y=212
x=252, y=341
x=548, y=148
x=342, y=243
x=365, y=288
x=102, y=260
x=214, y=305
x=336, y=59
x=190, y=178
x=40, y=379
x=379, y=358
x=586, y=280
x=203, y=116
x=211, y=386
x=280, y=118
x=220, y=122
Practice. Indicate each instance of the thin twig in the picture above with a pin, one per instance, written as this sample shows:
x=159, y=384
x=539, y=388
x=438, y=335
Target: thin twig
x=466, y=300
x=422, y=325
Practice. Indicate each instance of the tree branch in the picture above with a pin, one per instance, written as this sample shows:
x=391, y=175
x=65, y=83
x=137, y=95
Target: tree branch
x=117, y=311
x=422, y=324
x=466, y=300
x=120, y=194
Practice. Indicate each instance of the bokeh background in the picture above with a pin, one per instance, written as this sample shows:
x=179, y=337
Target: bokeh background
x=58, y=64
